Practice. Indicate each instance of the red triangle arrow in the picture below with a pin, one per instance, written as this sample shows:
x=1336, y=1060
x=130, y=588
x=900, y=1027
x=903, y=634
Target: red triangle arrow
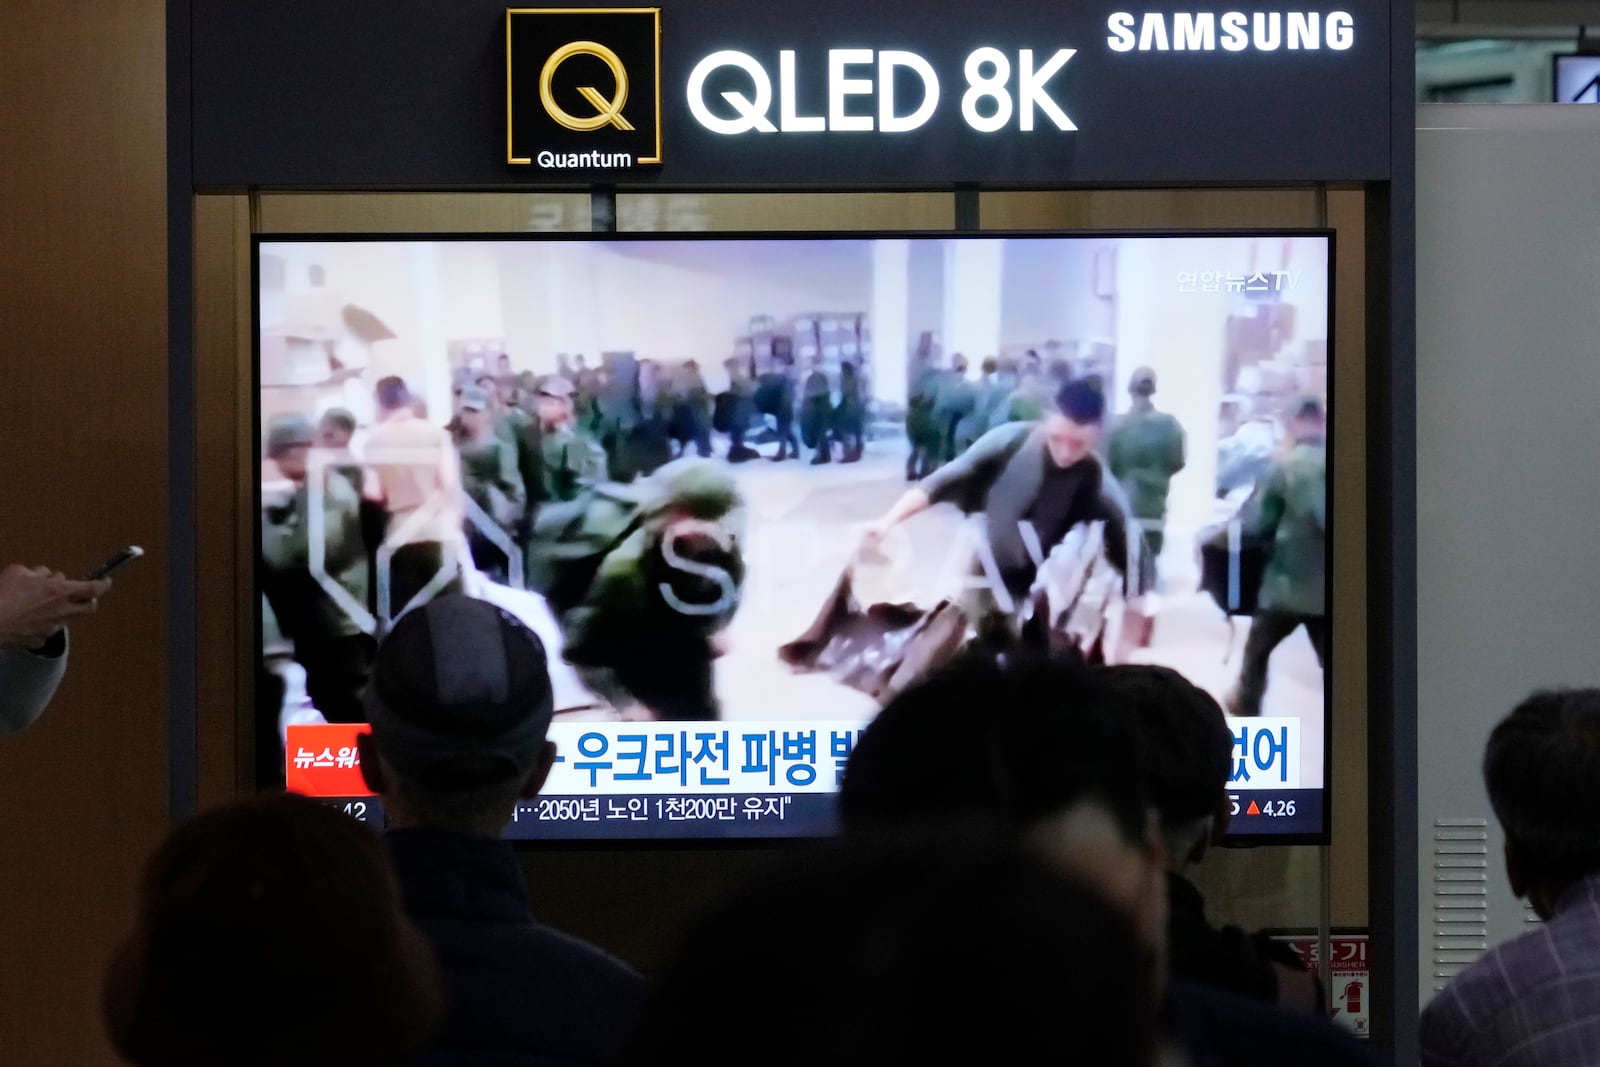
x=1252, y=809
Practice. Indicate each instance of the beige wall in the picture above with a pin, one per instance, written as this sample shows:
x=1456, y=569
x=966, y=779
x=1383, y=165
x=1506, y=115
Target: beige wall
x=83, y=376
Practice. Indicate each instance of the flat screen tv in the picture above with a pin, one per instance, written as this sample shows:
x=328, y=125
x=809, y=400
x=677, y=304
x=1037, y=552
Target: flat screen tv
x=673, y=458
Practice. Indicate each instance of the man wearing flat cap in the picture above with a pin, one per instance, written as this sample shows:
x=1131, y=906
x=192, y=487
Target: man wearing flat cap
x=1289, y=514
x=460, y=704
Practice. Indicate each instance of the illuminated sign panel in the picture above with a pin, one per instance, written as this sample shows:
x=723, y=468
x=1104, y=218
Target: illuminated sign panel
x=583, y=88
x=731, y=94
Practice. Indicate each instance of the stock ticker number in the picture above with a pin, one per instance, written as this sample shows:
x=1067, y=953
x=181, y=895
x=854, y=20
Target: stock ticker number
x=1273, y=809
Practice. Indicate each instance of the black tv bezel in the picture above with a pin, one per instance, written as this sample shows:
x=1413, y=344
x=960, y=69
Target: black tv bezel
x=1229, y=839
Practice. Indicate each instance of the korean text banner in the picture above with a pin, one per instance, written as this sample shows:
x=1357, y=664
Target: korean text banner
x=625, y=759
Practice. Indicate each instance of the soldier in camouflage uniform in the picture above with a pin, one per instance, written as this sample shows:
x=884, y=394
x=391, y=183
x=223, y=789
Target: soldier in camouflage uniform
x=922, y=431
x=1145, y=450
x=491, y=479
x=850, y=417
x=691, y=412
x=569, y=461
x=816, y=413
x=644, y=577
x=954, y=402
x=1289, y=512
x=975, y=423
x=1028, y=402
x=736, y=410
x=330, y=645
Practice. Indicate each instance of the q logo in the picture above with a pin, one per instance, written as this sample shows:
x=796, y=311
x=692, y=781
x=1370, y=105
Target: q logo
x=583, y=88
x=608, y=112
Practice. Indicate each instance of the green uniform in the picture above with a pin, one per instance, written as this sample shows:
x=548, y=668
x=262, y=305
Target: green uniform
x=816, y=412
x=490, y=477
x=975, y=423
x=1289, y=512
x=616, y=418
x=920, y=425
x=1026, y=403
x=569, y=463
x=285, y=548
x=955, y=400
x=922, y=429
x=850, y=418
x=520, y=429
x=1144, y=451
x=601, y=563
x=330, y=645
x=690, y=421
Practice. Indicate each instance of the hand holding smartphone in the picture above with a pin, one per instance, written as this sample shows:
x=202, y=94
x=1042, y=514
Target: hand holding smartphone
x=114, y=562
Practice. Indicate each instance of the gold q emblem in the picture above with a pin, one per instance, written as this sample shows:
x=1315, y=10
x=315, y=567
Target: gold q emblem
x=608, y=112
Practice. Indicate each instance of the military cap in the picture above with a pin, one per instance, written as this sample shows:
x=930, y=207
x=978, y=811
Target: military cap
x=554, y=385
x=289, y=431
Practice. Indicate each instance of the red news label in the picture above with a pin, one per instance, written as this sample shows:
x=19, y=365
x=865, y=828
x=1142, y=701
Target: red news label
x=323, y=761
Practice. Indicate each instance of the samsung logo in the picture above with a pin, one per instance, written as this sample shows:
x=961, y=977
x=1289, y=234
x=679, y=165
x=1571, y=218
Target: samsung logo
x=1233, y=31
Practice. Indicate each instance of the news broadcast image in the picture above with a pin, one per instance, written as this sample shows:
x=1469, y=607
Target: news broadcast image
x=747, y=489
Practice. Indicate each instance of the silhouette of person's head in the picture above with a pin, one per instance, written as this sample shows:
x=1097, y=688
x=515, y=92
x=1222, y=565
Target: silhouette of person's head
x=1188, y=754
x=460, y=702
x=952, y=948
x=1540, y=768
x=1034, y=748
x=1011, y=743
x=236, y=909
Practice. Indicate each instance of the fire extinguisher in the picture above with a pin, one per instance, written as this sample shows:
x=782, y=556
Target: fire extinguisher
x=1352, y=998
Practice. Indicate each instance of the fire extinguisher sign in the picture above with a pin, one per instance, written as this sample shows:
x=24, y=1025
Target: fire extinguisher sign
x=1349, y=985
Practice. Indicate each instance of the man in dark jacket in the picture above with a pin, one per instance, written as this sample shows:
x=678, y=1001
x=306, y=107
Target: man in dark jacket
x=1188, y=752
x=1032, y=482
x=1042, y=778
x=460, y=703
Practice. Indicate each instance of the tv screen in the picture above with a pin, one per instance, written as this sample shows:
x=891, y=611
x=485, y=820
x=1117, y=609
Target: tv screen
x=746, y=488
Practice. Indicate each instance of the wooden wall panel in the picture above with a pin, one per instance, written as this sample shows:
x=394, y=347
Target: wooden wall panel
x=1347, y=214
x=225, y=449
x=785, y=211
x=421, y=212
x=83, y=433
x=1138, y=209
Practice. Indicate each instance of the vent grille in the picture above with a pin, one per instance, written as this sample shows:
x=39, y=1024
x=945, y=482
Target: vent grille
x=1460, y=896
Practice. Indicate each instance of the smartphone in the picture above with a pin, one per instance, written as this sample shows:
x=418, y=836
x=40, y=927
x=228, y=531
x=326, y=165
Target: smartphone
x=118, y=559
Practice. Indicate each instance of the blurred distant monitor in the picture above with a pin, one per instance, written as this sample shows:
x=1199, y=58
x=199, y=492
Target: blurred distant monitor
x=1577, y=79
